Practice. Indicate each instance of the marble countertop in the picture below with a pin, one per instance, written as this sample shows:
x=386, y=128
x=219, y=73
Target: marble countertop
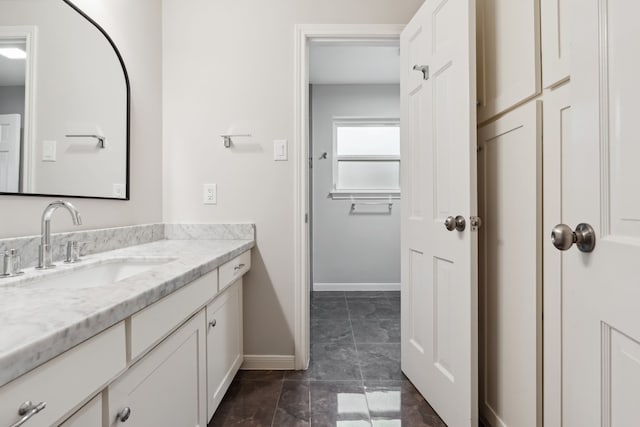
x=39, y=324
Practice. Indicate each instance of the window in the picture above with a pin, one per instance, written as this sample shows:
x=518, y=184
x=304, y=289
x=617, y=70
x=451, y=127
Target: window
x=366, y=155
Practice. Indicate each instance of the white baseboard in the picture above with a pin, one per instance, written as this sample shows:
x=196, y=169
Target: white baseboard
x=268, y=362
x=320, y=287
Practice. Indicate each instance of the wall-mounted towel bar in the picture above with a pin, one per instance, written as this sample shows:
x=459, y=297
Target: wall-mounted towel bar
x=227, y=138
x=354, y=205
x=101, y=139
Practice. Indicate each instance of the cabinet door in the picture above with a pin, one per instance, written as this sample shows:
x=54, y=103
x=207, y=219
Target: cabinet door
x=167, y=386
x=555, y=41
x=224, y=343
x=90, y=415
x=509, y=69
x=510, y=182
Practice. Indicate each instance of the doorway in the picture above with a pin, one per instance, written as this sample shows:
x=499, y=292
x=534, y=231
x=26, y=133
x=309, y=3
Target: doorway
x=354, y=241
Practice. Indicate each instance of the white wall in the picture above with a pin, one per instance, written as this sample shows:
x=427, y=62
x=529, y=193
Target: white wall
x=350, y=248
x=229, y=66
x=136, y=29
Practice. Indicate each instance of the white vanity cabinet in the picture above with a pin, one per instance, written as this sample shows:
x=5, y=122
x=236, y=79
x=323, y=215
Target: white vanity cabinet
x=66, y=381
x=169, y=364
x=90, y=415
x=224, y=343
x=165, y=387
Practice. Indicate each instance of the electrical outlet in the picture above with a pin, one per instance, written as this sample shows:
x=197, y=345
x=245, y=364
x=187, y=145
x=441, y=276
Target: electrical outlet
x=118, y=191
x=210, y=195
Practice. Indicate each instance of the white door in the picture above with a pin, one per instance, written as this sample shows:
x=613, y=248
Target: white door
x=600, y=178
x=439, y=267
x=9, y=153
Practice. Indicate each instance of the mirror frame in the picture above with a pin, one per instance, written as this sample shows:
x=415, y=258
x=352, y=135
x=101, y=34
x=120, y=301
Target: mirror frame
x=128, y=125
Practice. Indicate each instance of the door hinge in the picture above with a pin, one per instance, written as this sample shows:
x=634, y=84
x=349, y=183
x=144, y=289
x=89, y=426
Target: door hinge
x=306, y=218
x=476, y=223
x=310, y=163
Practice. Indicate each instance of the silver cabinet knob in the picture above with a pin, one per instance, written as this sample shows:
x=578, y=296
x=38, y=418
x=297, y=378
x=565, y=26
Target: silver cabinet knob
x=27, y=410
x=123, y=415
x=238, y=268
x=584, y=237
x=213, y=323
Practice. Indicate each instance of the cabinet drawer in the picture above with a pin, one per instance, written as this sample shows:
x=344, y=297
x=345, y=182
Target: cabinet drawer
x=230, y=271
x=67, y=380
x=153, y=323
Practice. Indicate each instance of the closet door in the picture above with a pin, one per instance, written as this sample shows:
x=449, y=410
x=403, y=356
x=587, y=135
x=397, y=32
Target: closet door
x=555, y=41
x=557, y=145
x=510, y=269
x=509, y=70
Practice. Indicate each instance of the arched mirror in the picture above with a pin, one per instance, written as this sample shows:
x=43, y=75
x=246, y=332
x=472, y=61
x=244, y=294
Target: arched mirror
x=64, y=103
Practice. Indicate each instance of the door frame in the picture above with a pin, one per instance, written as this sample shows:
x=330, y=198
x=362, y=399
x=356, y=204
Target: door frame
x=300, y=155
x=29, y=34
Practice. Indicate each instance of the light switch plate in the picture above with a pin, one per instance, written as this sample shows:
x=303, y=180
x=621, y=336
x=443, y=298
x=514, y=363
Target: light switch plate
x=48, y=151
x=280, y=150
x=210, y=194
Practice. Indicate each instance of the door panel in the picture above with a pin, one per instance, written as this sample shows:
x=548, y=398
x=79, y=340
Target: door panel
x=439, y=267
x=509, y=54
x=554, y=17
x=557, y=145
x=601, y=320
x=9, y=153
x=511, y=292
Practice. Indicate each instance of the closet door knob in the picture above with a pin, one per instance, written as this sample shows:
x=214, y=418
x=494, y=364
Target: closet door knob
x=563, y=237
x=123, y=415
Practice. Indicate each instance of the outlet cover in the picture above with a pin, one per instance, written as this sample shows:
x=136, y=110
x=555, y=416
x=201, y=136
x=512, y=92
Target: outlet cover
x=210, y=194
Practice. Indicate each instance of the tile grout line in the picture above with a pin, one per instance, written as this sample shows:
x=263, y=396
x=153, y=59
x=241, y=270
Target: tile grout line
x=355, y=344
x=275, y=410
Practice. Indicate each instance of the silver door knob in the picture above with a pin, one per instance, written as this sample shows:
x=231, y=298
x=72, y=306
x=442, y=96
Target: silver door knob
x=563, y=237
x=123, y=415
x=457, y=223
x=450, y=223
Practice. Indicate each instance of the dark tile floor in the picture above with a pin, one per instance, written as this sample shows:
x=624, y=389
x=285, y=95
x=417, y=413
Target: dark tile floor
x=354, y=378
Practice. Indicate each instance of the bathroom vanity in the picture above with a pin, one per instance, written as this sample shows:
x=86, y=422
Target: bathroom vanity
x=158, y=347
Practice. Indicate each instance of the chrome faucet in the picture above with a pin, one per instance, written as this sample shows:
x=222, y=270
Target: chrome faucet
x=45, y=255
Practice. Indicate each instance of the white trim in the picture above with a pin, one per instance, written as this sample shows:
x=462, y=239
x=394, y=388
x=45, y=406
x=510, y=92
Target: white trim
x=273, y=362
x=349, y=287
x=29, y=34
x=303, y=34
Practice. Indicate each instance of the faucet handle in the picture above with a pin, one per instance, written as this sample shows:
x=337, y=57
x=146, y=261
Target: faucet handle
x=73, y=252
x=12, y=264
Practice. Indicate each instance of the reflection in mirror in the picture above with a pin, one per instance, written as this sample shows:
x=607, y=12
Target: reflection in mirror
x=64, y=103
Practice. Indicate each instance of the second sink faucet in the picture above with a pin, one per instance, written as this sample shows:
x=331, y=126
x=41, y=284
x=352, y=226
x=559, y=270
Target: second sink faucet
x=45, y=254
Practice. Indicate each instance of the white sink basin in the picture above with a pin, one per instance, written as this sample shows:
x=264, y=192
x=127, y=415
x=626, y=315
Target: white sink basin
x=96, y=275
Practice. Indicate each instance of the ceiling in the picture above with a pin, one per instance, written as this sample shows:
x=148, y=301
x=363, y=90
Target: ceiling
x=354, y=63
